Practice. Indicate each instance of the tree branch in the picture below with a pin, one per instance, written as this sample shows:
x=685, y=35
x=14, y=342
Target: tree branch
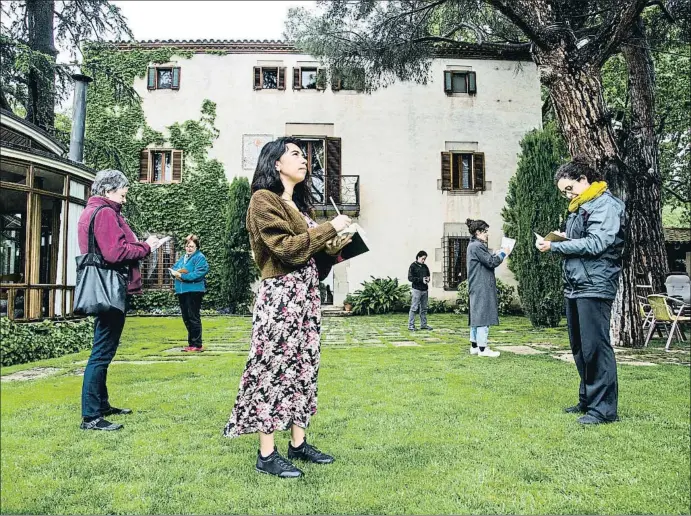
x=676, y=195
x=537, y=33
x=612, y=32
x=663, y=8
x=478, y=33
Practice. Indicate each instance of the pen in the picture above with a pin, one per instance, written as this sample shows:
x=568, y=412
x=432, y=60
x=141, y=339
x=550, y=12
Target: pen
x=334, y=205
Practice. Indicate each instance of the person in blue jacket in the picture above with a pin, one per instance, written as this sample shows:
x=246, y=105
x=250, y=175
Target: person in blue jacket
x=190, y=284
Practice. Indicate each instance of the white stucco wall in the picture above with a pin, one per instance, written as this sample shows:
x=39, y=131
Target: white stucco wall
x=392, y=139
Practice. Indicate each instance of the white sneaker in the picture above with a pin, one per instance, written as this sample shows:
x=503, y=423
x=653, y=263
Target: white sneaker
x=488, y=353
x=474, y=350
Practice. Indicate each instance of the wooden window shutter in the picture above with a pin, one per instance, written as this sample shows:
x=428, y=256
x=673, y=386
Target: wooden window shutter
x=144, y=158
x=336, y=82
x=446, y=171
x=177, y=166
x=472, y=84
x=257, y=77
x=448, y=82
x=297, y=83
x=479, y=169
x=176, y=78
x=321, y=78
x=333, y=169
x=151, y=79
x=282, y=78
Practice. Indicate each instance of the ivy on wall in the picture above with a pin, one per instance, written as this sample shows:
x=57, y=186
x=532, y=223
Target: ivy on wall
x=117, y=131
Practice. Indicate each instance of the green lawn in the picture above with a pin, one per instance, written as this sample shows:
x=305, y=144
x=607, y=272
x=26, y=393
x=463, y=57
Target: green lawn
x=414, y=429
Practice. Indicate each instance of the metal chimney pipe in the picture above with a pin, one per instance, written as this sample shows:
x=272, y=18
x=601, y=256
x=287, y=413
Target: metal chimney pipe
x=78, y=117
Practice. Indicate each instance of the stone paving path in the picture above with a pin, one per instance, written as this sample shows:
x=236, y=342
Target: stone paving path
x=358, y=332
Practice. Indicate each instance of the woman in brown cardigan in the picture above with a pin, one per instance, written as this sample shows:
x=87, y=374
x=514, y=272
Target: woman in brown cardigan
x=278, y=389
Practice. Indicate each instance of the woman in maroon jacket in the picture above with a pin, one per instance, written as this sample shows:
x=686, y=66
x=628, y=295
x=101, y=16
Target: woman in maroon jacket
x=119, y=246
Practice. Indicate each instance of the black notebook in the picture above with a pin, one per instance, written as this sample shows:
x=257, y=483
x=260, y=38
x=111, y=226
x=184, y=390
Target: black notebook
x=359, y=244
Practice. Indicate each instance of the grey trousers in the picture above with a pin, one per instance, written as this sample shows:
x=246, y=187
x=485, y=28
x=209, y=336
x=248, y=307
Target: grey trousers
x=588, y=320
x=420, y=299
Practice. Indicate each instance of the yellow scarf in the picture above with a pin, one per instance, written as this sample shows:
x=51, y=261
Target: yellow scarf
x=594, y=191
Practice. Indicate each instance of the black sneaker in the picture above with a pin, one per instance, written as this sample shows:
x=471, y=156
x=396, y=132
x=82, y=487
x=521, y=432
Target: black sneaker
x=112, y=411
x=309, y=453
x=589, y=419
x=426, y=328
x=275, y=464
x=576, y=409
x=100, y=424
x=412, y=328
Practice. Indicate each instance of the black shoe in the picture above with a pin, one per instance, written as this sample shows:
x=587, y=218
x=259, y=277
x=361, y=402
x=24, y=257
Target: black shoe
x=275, y=464
x=412, y=328
x=100, y=424
x=426, y=328
x=309, y=453
x=589, y=419
x=576, y=409
x=112, y=411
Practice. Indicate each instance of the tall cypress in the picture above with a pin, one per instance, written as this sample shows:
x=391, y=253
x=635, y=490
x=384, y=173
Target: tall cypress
x=534, y=205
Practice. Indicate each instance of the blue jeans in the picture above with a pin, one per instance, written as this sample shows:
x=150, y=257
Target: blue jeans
x=107, y=333
x=479, y=334
x=419, y=300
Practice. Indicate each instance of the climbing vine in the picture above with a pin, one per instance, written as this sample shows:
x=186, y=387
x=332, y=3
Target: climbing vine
x=116, y=133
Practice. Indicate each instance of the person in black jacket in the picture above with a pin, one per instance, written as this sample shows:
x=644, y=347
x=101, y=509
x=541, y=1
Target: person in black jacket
x=418, y=275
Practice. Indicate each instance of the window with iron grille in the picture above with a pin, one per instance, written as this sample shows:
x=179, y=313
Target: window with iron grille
x=455, y=266
x=155, y=267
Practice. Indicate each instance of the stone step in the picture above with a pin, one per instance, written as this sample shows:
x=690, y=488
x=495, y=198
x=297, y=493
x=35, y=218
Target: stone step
x=334, y=311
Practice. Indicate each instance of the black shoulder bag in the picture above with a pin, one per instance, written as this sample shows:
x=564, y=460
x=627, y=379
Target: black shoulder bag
x=100, y=287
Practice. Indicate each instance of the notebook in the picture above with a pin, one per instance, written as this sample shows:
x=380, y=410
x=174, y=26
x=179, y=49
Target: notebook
x=358, y=246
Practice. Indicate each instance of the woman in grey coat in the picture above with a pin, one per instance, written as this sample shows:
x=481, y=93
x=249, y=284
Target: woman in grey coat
x=482, y=287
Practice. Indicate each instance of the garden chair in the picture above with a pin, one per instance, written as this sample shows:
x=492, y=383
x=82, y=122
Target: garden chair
x=646, y=312
x=667, y=312
x=679, y=285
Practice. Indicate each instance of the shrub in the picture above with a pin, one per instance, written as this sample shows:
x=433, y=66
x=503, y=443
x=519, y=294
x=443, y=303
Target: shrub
x=154, y=301
x=538, y=274
x=27, y=342
x=380, y=296
x=506, y=298
x=240, y=271
x=440, y=306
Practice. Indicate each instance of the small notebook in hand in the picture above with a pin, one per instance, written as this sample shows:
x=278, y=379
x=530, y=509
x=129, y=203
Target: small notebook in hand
x=359, y=244
x=552, y=237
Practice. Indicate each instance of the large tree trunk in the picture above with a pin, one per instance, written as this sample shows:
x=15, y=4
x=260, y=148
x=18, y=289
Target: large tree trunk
x=576, y=94
x=646, y=256
x=41, y=105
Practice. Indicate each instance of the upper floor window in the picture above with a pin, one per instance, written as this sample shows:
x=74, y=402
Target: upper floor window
x=308, y=78
x=160, y=166
x=269, y=78
x=459, y=82
x=163, y=78
x=463, y=171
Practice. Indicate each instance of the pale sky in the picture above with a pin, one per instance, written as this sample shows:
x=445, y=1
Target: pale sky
x=198, y=19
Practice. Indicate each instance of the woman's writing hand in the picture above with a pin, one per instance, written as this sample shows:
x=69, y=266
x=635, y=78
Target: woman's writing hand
x=176, y=274
x=334, y=246
x=543, y=245
x=341, y=222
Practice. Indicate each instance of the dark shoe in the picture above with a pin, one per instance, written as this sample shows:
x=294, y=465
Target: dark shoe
x=113, y=411
x=274, y=464
x=576, y=409
x=589, y=419
x=412, y=328
x=426, y=328
x=100, y=424
x=309, y=453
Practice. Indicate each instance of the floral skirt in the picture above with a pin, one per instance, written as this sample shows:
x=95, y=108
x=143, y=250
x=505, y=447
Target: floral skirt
x=279, y=385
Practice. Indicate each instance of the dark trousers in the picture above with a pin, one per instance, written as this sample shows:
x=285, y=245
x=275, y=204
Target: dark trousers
x=588, y=320
x=107, y=333
x=190, y=305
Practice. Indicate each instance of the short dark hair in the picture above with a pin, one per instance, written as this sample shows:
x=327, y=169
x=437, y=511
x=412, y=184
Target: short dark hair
x=266, y=177
x=192, y=238
x=476, y=225
x=420, y=254
x=575, y=170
